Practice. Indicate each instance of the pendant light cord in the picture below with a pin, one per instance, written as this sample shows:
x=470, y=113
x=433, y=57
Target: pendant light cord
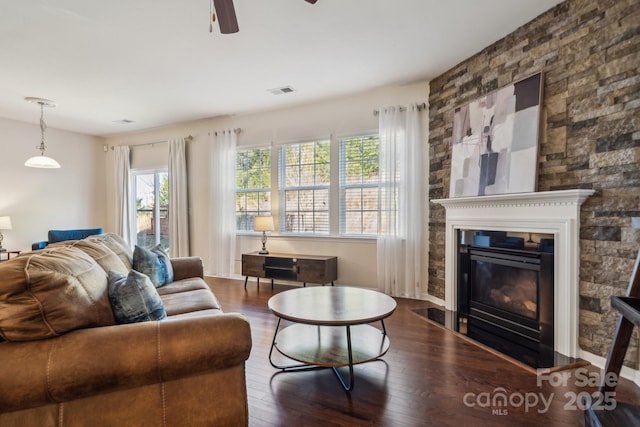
x=212, y=17
x=43, y=126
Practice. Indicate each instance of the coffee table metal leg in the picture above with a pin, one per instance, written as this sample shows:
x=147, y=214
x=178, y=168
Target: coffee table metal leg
x=350, y=354
x=273, y=344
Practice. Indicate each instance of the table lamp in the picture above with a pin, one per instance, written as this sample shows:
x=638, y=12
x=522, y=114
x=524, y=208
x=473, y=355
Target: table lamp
x=5, y=224
x=264, y=224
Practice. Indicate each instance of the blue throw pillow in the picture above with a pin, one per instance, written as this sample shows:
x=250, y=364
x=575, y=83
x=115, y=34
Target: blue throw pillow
x=134, y=298
x=155, y=263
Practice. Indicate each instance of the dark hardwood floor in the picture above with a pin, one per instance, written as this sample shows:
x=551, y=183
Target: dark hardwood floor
x=430, y=377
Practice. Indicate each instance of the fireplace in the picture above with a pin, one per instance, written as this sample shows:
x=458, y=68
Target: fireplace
x=505, y=300
x=550, y=212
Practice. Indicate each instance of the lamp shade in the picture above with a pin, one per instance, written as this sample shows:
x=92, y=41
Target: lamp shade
x=263, y=223
x=42, y=162
x=5, y=223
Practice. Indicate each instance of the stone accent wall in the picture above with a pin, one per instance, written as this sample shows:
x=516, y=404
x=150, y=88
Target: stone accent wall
x=589, y=53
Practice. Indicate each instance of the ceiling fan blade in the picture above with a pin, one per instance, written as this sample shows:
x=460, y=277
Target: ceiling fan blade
x=226, y=16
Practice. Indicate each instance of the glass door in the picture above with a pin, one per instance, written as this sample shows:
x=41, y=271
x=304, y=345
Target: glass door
x=151, y=192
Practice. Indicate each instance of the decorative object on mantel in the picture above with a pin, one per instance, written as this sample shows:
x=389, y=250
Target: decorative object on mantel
x=494, y=147
x=264, y=224
x=42, y=161
x=5, y=224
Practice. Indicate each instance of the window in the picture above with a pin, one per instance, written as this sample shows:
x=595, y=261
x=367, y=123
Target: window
x=253, y=186
x=151, y=192
x=359, y=197
x=304, y=187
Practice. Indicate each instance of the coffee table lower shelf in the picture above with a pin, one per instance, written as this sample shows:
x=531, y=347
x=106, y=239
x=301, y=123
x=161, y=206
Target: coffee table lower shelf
x=315, y=347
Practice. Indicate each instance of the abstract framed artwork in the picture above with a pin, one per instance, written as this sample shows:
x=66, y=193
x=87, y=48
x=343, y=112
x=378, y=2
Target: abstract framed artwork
x=495, y=141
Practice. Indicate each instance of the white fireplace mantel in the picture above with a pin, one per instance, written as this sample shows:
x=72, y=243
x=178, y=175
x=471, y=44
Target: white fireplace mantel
x=549, y=212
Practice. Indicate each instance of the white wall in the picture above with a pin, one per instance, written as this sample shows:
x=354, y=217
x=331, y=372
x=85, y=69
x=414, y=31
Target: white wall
x=42, y=199
x=338, y=117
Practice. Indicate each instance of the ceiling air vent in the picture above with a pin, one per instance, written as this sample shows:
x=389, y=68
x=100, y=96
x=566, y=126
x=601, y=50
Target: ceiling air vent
x=281, y=90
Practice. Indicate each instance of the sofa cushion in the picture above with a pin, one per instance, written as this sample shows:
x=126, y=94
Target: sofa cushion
x=100, y=252
x=134, y=298
x=117, y=244
x=199, y=313
x=183, y=285
x=154, y=263
x=190, y=301
x=48, y=293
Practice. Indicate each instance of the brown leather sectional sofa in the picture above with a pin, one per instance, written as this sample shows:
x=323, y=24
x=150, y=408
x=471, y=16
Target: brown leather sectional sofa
x=64, y=361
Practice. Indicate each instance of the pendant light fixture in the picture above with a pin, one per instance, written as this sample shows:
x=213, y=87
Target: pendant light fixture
x=42, y=161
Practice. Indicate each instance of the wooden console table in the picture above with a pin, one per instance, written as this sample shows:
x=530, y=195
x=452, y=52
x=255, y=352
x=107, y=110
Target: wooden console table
x=297, y=268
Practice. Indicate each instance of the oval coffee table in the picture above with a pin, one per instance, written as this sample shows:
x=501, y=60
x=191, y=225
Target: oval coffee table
x=330, y=328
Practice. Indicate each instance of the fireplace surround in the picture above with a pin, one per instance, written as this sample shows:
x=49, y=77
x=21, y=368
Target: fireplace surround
x=546, y=212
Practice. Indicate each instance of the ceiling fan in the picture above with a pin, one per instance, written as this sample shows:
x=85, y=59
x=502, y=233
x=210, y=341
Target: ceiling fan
x=227, y=15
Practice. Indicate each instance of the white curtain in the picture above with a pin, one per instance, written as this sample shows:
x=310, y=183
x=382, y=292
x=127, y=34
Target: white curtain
x=178, y=200
x=124, y=209
x=399, y=245
x=222, y=200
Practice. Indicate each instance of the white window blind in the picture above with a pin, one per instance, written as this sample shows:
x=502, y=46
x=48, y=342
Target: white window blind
x=304, y=172
x=359, y=194
x=253, y=186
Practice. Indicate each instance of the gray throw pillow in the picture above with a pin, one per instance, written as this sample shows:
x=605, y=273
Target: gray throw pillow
x=134, y=298
x=155, y=263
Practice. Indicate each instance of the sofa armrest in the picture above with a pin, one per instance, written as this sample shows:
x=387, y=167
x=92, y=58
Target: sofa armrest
x=187, y=267
x=92, y=361
x=39, y=245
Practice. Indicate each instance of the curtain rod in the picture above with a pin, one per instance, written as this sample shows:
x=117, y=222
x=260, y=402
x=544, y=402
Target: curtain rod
x=187, y=138
x=236, y=130
x=420, y=107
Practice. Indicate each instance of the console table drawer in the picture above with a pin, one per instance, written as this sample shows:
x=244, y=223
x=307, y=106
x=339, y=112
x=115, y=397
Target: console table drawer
x=253, y=265
x=317, y=270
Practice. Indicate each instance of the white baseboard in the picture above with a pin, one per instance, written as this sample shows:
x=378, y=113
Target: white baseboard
x=432, y=299
x=599, y=362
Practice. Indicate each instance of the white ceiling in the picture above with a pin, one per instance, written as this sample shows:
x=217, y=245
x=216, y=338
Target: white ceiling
x=156, y=63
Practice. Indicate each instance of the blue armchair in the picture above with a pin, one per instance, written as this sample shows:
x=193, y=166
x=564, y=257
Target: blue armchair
x=63, y=235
